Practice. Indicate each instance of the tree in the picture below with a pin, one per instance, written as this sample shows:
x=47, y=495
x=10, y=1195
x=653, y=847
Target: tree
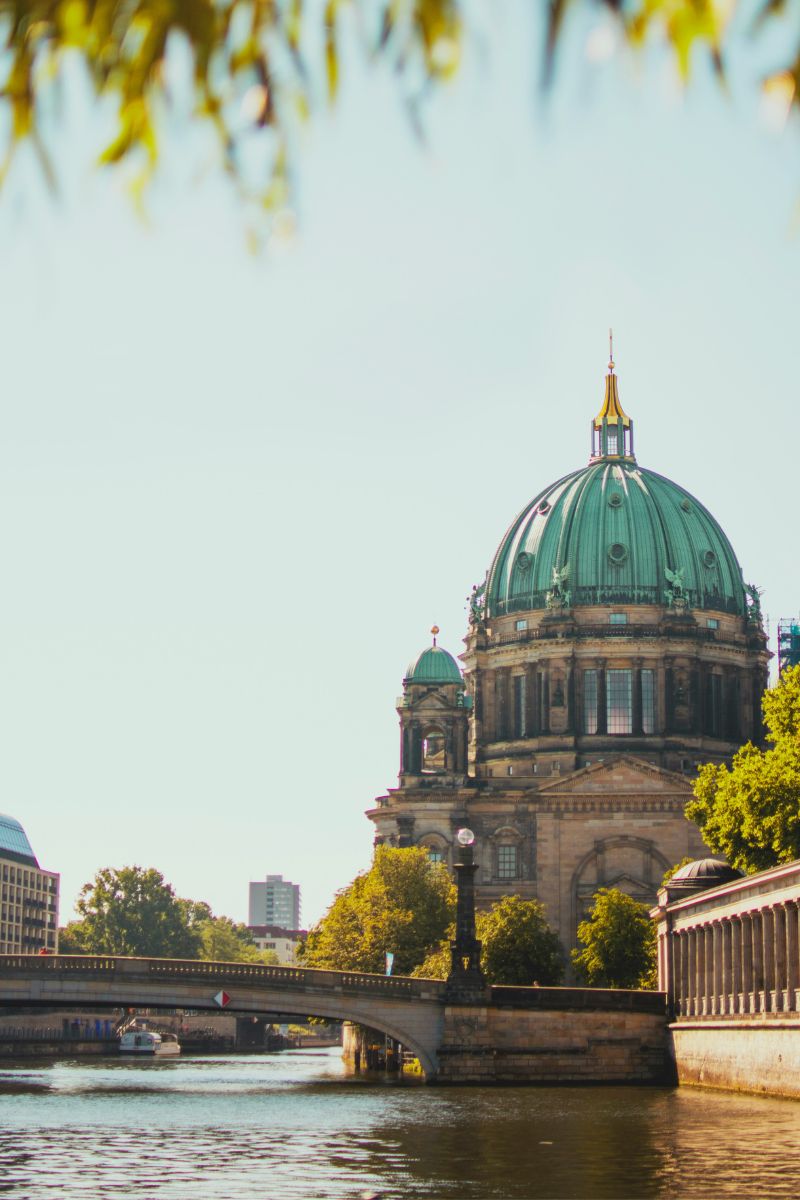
x=222, y=940
x=402, y=905
x=619, y=943
x=132, y=910
x=255, y=70
x=750, y=812
x=517, y=946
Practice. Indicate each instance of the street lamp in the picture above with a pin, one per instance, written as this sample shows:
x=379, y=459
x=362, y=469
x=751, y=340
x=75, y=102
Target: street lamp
x=466, y=982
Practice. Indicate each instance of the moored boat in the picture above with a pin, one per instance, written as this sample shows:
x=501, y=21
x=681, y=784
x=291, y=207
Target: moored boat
x=148, y=1042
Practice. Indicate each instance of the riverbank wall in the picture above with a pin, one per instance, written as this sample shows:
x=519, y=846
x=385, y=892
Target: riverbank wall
x=759, y=1056
x=538, y=1036
x=557, y=1035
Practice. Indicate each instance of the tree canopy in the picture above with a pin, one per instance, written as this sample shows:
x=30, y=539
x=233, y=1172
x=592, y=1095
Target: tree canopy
x=253, y=70
x=518, y=947
x=750, y=812
x=618, y=943
x=134, y=911
x=403, y=905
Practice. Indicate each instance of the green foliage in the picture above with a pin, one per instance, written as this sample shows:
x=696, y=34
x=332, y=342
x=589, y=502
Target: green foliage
x=222, y=940
x=436, y=964
x=257, y=70
x=403, y=904
x=518, y=947
x=619, y=943
x=751, y=812
x=133, y=911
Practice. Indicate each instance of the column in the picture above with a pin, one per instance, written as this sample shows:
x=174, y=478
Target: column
x=544, y=701
x=674, y=969
x=684, y=991
x=779, y=952
x=736, y=965
x=700, y=972
x=637, y=697
x=532, y=694
x=792, y=956
x=708, y=991
x=602, y=711
x=501, y=705
x=691, y=969
x=716, y=995
x=747, y=963
x=756, y=996
x=768, y=958
x=725, y=1005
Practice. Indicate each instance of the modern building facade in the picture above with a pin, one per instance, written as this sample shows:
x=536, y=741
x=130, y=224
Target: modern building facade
x=612, y=648
x=28, y=895
x=283, y=941
x=276, y=901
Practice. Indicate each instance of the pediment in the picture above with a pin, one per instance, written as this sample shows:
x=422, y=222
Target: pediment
x=433, y=702
x=620, y=774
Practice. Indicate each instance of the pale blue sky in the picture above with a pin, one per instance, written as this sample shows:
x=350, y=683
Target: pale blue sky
x=236, y=493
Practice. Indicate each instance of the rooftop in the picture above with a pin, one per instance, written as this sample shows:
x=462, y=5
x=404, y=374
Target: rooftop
x=14, y=844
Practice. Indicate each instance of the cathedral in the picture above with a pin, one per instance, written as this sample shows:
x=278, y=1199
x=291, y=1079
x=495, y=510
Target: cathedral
x=612, y=649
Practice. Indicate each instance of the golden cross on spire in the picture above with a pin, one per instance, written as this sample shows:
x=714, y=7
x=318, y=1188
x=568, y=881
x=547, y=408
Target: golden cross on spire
x=611, y=350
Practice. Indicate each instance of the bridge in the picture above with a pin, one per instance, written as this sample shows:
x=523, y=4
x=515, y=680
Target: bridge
x=504, y=1035
x=409, y=1010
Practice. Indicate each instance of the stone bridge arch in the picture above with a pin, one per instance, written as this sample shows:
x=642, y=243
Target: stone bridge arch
x=411, y=1011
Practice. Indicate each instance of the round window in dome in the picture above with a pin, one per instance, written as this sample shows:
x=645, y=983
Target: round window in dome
x=524, y=561
x=544, y=508
x=709, y=558
x=615, y=500
x=617, y=553
x=685, y=505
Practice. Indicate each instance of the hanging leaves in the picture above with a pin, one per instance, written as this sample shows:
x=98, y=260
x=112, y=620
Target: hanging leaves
x=260, y=67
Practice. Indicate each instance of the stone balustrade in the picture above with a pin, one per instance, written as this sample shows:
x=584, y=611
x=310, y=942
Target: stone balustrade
x=733, y=951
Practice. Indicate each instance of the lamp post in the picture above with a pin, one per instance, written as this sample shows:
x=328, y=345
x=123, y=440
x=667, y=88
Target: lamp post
x=466, y=982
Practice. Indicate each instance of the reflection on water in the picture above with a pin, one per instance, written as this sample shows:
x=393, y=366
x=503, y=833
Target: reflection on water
x=290, y=1125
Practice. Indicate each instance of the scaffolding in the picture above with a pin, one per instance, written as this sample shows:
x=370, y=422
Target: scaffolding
x=788, y=644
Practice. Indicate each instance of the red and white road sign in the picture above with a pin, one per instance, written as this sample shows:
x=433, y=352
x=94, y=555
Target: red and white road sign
x=222, y=999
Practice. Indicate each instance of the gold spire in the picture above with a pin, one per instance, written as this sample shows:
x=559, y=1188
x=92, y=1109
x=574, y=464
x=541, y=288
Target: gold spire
x=612, y=410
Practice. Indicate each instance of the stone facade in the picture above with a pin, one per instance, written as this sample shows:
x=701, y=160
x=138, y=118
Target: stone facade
x=613, y=648
x=492, y=1045
x=729, y=961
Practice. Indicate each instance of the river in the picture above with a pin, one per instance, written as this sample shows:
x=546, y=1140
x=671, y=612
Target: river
x=292, y=1125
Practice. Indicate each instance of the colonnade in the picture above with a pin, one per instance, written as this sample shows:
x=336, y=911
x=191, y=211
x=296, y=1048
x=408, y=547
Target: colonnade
x=738, y=964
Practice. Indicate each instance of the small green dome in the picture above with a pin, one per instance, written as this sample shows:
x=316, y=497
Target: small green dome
x=434, y=665
x=615, y=533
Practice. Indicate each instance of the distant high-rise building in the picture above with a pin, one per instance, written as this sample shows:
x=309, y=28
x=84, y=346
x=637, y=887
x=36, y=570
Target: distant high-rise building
x=29, y=912
x=276, y=901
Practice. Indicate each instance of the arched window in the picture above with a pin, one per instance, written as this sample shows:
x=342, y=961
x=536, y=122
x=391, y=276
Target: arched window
x=433, y=751
x=436, y=847
x=507, y=854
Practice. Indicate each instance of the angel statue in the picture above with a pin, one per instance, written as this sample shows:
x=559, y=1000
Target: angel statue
x=476, y=604
x=753, y=604
x=558, y=596
x=675, y=595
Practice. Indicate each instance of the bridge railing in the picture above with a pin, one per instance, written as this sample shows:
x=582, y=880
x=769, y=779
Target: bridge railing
x=294, y=978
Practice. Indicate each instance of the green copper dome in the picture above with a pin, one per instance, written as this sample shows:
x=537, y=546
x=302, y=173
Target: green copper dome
x=614, y=533
x=434, y=665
